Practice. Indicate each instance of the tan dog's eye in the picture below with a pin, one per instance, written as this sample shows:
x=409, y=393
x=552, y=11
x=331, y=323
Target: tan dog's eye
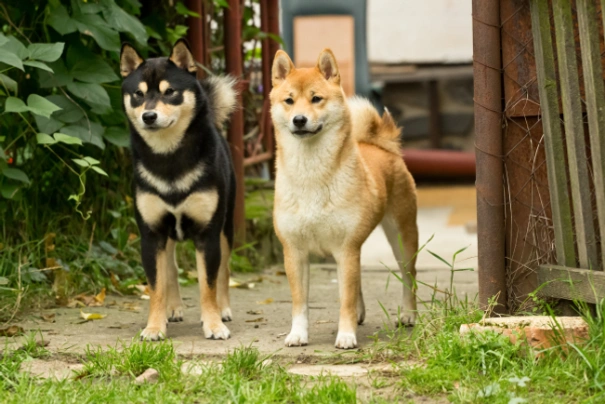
x=289, y=101
x=316, y=99
x=169, y=91
x=139, y=93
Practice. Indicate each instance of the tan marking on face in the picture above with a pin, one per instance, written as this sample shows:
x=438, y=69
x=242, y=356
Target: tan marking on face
x=164, y=85
x=176, y=117
x=143, y=87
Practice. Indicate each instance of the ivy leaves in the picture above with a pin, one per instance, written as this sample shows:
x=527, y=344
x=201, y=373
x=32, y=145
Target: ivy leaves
x=15, y=54
x=102, y=21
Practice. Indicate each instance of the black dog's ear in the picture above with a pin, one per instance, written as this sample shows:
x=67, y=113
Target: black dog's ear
x=129, y=60
x=182, y=57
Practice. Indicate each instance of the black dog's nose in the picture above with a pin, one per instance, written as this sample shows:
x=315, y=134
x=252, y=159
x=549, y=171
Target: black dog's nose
x=299, y=121
x=149, y=117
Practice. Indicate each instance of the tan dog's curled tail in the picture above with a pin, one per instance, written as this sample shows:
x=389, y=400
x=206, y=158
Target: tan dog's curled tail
x=223, y=97
x=369, y=127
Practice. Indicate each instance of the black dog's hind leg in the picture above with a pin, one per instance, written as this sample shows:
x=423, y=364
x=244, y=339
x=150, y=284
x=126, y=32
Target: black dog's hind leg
x=155, y=262
x=224, y=304
x=208, y=257
x=173, y=295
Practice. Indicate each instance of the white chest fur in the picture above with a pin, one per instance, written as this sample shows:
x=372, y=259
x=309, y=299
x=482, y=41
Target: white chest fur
x=314, y=209
x=198, y=206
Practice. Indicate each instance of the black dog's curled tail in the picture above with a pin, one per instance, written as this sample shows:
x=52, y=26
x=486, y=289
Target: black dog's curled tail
x=223, y=97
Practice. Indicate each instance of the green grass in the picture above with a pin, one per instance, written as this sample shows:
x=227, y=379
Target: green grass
x=434, y=360
x=244, y=376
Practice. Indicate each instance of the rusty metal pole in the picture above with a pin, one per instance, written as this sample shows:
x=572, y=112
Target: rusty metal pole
x=233, y=64
x=269, y=10
x=196, y=34
x=489, y=180
x=267, y=59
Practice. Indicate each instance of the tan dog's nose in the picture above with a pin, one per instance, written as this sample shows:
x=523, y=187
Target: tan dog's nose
x=299, y=121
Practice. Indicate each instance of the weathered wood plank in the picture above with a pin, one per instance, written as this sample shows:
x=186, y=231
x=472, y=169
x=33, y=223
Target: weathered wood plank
x=595, y=102
x=574, y=134
x=553, y=139
x=571, y=284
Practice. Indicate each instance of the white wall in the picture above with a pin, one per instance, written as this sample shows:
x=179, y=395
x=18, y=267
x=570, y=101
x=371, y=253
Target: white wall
x=420, y=31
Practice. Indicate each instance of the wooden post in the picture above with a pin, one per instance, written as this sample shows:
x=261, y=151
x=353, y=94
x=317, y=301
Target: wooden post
x=553, y=138
x=233, y=62
x=595, y=101
x=574, y=135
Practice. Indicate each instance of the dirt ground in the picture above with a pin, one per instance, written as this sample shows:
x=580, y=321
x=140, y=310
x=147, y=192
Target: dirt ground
x=262, y=313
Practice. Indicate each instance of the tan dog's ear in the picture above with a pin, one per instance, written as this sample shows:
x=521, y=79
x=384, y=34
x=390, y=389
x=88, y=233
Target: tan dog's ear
x=282, y=66
x=129, y=60
x=326, y=64
x=182, y=57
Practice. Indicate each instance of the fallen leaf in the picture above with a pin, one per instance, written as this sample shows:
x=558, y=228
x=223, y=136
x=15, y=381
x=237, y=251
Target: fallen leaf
x=281, y=334
x=75, y=303
x=268, y=300
x=100, y=298
x=112, y=303
x=241, y=285
x=48, y=317
x=114, y=280
x=92, y=316
x=254, y=312
x=130, y=306
x=11, y=331
x=119, y=326
x=280, y=273
x=145, y=297
x=324, y=321
x=256, y=320
x=148, y=376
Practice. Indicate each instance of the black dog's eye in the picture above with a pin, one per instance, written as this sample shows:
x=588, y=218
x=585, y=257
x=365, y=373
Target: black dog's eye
x=316, y=99
x=169, y=91
x=139, y=93
x=289, y=101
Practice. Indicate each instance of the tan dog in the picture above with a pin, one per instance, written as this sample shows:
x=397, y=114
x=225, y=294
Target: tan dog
x=339, y=174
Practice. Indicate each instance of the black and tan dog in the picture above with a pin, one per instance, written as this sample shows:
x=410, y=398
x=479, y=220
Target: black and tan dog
x=184, y=184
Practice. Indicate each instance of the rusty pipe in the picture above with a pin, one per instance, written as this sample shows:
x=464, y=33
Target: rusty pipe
x=439, y=163
x=489, y=179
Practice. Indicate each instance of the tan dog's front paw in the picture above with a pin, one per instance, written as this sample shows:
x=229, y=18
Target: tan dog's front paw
x=407, y=318
x=153, y=334
x=216, y=331
x=297, y=338
x=346, y=340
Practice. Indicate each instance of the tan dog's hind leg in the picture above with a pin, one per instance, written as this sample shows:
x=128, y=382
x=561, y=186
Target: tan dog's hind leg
x=297, y=270
x=211, y=316
x=223, y=281
x=404, y=222
x=174, y=301
x=349, y=286
x=156, y=322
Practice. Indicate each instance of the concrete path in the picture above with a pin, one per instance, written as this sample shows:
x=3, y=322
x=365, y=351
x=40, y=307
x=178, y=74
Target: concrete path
x=262, y=314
